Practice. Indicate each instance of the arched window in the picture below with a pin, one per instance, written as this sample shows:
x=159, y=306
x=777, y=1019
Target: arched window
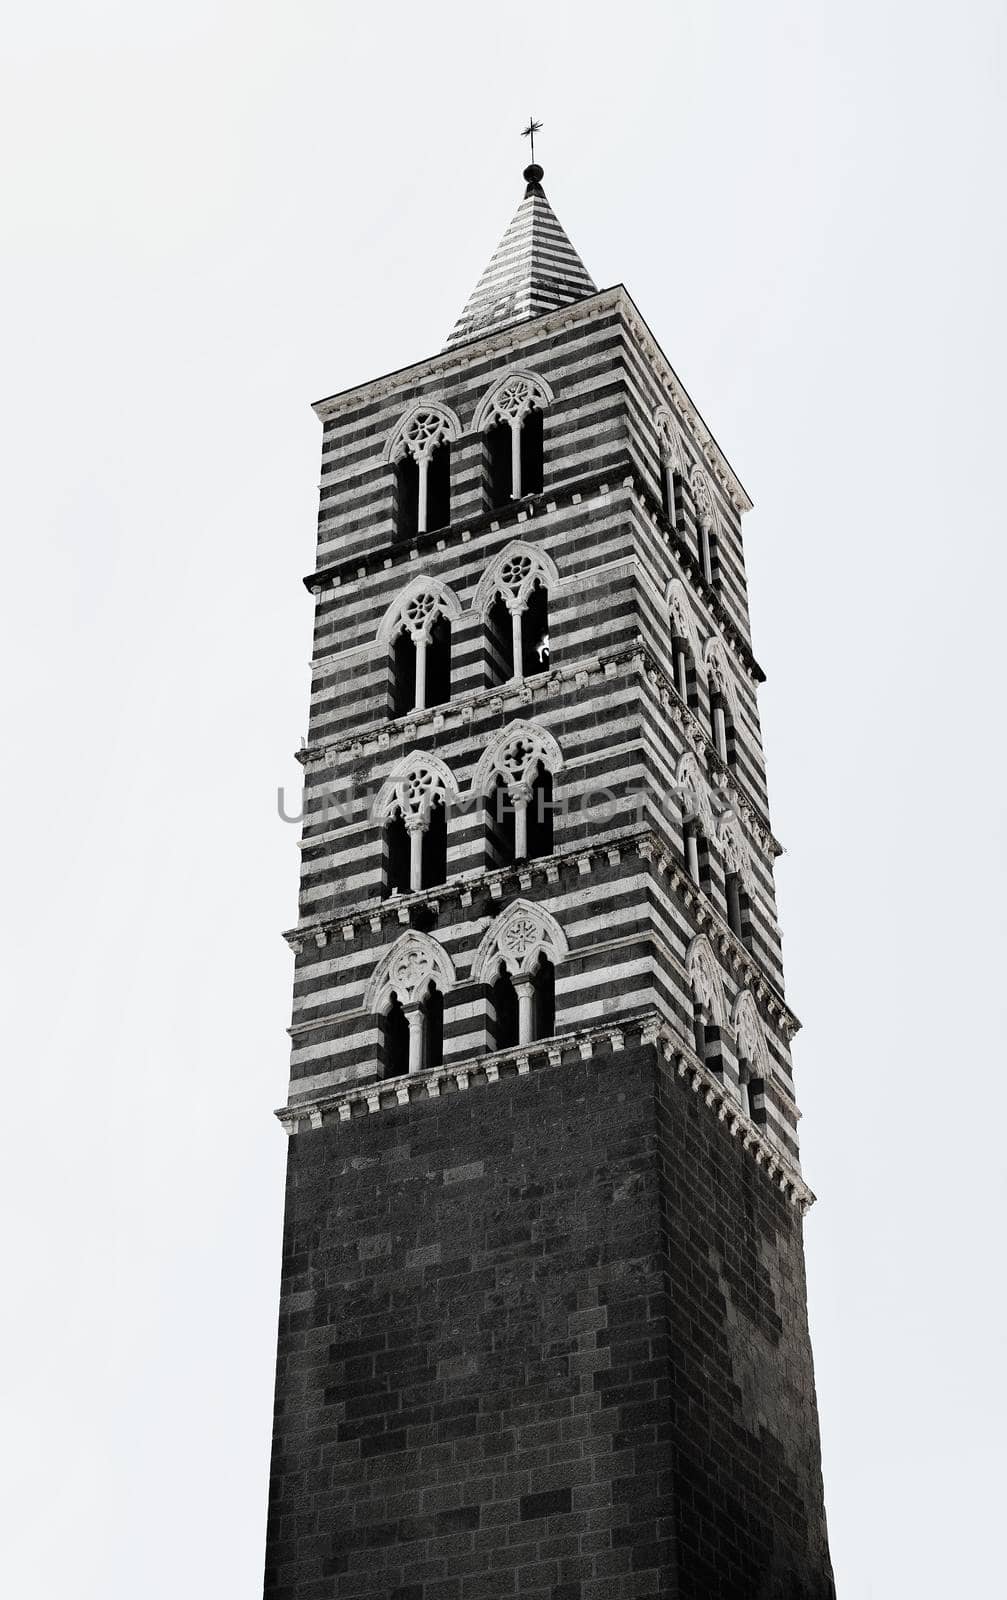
x=420, y=451
x=684, y=644
x=406, y=995
x=413, y=805
x=697, y=822
x=515, y=775
x=394, y=1039
x=517, y=962
x=707, y=526
x=753, y=1057
x=416, y=630
x=513, y=599
x=737, y=877
x=709, y=1009
x=510, y=416
x=670, y=465
x=723, y=705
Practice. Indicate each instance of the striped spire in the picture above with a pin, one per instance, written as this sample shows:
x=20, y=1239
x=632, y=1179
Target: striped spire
x=534, y=268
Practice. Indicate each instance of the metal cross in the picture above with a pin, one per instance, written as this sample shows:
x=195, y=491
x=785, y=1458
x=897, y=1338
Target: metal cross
x=529, y=133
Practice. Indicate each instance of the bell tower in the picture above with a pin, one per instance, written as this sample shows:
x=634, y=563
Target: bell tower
x=543, y=1325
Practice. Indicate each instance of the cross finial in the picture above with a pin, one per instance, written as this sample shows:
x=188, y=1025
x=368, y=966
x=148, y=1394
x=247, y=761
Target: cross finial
x=529, y=133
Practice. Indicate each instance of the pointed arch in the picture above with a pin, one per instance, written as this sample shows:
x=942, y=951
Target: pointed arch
x=680, y=610
x=514, y=753
x=417, y=607
x=513, y=574
x=694, y=793
x=414, y=784
x=518, y=938
x=750, y=1034
x=414, y=962
x=420, y=429
x=669, y=439
x=510, y=397
x=704, y=979
x=703, y=499
x=734, y=849
x=718, y=669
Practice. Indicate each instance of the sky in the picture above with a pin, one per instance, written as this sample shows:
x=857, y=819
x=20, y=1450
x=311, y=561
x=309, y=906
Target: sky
x=213, y=214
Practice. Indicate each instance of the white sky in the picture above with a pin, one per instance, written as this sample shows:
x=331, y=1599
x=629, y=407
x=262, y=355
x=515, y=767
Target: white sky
x=215, y=213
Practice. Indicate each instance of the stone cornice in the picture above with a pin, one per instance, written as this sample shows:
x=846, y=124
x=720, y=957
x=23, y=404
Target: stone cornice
x=503, y=699
x=399, y=552
x=374, y=914
x=338, y=574
x=363, y=1099
x=616, y=299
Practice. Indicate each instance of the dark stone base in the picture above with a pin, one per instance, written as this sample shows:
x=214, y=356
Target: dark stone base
x=545, y=1338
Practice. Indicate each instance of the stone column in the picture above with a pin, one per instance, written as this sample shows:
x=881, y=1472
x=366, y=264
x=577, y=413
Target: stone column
x=421, y=495
x=520, y=796
x=692, y=853
x=420, y=696
x=524, y=985
x=414, y=828
x=414, y=1017
x=516, y=644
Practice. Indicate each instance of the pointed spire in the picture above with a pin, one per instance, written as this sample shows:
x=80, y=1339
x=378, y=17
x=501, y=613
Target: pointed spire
x=534, y=269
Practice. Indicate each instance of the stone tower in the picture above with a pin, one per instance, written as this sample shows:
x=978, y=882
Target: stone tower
x=543, y=1328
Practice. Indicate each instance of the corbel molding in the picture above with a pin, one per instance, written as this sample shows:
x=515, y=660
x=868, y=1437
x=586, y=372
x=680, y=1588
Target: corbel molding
x=600, y=1044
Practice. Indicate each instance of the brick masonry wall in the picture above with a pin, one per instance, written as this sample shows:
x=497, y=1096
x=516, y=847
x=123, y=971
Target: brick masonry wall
x=543, y=1340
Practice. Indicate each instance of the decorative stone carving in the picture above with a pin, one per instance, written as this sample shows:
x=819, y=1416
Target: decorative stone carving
x=680, y=612
x=734, y=848
x=514, y=754
x=415, y=784
x=518, y=937
x=669, y=440
x=702, y=495
x=407, y=970
x=424, y=426
x=416, y=610
x=750, y=1035
x=511, y=398
x=705, y=979
x=694, y=793
x=513, y=575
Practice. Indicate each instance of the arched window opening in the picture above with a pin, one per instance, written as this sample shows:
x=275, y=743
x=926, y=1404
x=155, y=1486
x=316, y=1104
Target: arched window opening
x=707, y=1037
x=438, y=486
x=739, y=914
x=751, y=1088
x=433, y=1028
x=503, y=998
x=686, y=681
x=697, y=856
x=499, y=463
x=722, y=726
x=540, y=812
x=438, y=664
x=421, y=451
x=397, y=855
x=500, y=821
x=434, y=847
x=535, y=633
x=671, y=493
x=499, y=643
x=407, y=497
x=544, y=999
x=394, y=1040
x=532, y=454
x=403, y=686
x=512, y=418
